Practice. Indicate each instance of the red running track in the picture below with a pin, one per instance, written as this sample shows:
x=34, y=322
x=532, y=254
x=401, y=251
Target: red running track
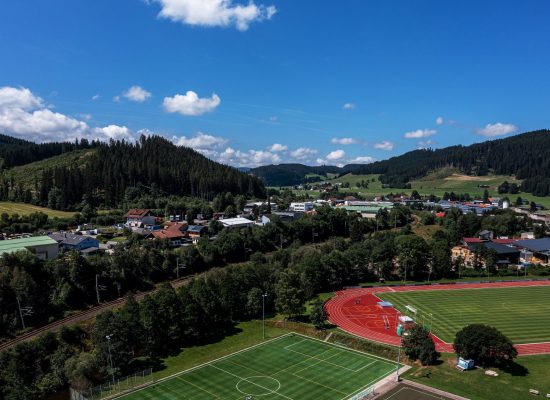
x=356, y=311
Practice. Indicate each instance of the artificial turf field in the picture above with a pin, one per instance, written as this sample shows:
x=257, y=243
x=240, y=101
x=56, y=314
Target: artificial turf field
x=292, y=367
x=521, y=313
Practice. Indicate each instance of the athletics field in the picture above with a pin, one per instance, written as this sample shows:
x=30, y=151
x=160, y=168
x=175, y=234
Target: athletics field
x=518, y=309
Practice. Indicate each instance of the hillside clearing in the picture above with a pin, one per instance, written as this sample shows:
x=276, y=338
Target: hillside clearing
x=26, y=209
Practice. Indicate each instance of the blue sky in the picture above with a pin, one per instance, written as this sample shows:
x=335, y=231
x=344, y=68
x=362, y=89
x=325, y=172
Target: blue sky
x=270, y=81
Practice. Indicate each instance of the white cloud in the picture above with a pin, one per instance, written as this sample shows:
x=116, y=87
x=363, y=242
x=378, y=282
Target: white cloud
x=348, y=106
x=420, y=133
x=384, y=145
x=201, y=141
x=343, y=141
x=191, y=104
x=96, y=97
x=273, y=119
x=116, y=99
x=362, y=160
x=25, y=115
x=336, y=155
x=137, y=93
x=426, y=144
x=303, y=153
x=215, y=12
x=278, y=147
x=21, y=98
x=439, y=121
x=116, y=132
x=86, y=117
x=498, y=129
x=250, y=158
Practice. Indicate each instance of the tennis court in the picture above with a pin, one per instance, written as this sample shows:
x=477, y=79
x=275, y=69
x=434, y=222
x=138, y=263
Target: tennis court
x=292, y=367
x=407, y=392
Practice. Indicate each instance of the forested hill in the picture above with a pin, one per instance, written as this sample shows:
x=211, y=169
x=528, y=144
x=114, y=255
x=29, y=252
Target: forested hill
x=103, y=177
x=527, y=156
x=292, y=174
x=15, y=151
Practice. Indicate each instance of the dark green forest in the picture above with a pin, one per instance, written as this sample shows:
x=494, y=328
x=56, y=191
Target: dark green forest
x=102, y=179
x=291, y=174
x=527, y=156
x=14, y=152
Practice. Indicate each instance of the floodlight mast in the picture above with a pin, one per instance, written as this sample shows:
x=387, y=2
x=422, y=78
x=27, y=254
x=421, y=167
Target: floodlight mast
x=108, y=337
x=264, y=295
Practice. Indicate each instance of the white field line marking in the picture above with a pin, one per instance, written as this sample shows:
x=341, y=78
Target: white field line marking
x=366, y=355
x=198, y=387
x=299, y=362
x=365, y=366
x=316, y=363
x=414, y=390
x=166, y=378
x=385, y=374
x=253, y=383
x=293, y=344
x=321, y=360
x=317, y=383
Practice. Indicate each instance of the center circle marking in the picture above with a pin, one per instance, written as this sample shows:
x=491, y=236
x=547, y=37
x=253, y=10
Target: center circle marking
x=258, y=385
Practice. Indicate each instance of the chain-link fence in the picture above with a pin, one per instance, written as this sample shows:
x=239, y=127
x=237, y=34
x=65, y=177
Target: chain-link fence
x=111, y=388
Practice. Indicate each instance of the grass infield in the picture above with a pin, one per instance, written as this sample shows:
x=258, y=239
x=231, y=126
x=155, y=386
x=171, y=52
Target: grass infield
x=521, y=313
x=291, y=367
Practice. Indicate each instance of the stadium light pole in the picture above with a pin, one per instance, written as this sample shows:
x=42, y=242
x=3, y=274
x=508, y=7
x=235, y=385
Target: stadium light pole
x=398, y=354
x=264, y=295
x=108, y=337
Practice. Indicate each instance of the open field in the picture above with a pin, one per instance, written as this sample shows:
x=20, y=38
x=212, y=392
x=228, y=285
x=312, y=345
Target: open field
x=289, y=367
x=521, y=313
x=26, y=209
x=512, y=383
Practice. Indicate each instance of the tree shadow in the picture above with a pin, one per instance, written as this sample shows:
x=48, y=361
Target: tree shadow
x=515, y=369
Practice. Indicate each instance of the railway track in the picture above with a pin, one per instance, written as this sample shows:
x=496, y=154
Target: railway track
x=85, y=315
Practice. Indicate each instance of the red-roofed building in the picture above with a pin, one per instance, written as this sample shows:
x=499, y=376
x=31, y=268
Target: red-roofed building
x=468, y=241
x=138, y=217
x=504, y=241
x=173, y=231
x=440, y=214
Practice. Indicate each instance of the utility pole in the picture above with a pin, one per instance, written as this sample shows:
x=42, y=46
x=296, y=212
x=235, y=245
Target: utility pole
x=23, y=312
x=108, y=337
x=178, y=268
x=264, y=295
x=398, y=355
x=98, y=287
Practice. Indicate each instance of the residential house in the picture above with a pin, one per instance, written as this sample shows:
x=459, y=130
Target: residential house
x=44, y=247
x=175, y=232
x=195, y=232
x=139, y=217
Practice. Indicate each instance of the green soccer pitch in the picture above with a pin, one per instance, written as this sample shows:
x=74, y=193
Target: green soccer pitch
x=521, y=313
x=291, y=367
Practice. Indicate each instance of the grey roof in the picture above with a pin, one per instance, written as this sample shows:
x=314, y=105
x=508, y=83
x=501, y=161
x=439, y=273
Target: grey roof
x=501, y=248
x=68, y=238
x=536, y=245
x=195, y=228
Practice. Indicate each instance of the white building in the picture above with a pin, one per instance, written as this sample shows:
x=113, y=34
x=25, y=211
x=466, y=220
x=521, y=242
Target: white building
x=233, y=223
x=301, y=207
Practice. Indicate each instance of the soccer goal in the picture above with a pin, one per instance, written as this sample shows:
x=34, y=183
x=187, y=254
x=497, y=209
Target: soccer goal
x=365, y=394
